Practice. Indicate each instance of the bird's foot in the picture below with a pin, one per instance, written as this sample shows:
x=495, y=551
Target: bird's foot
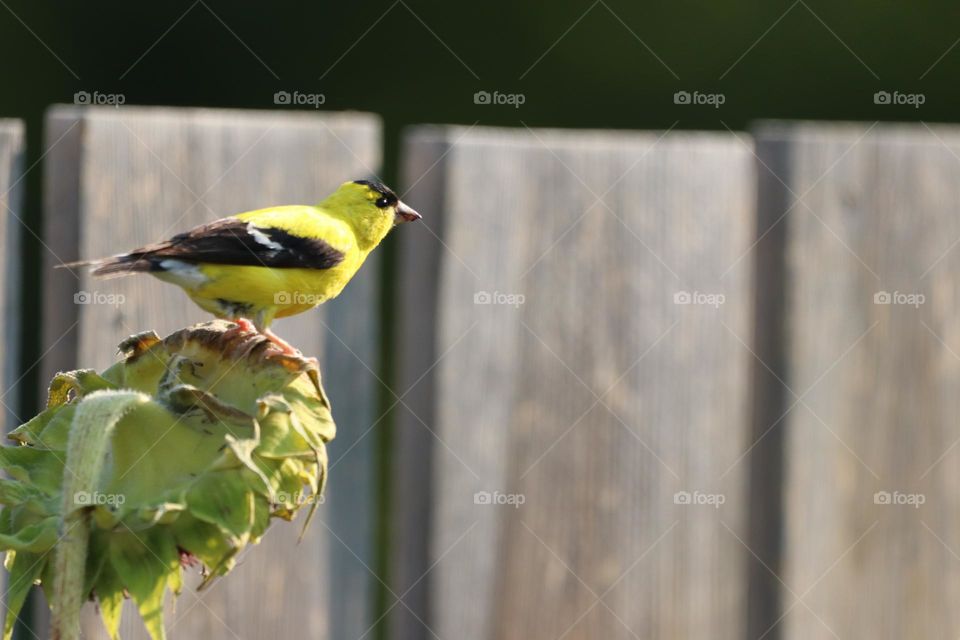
x=243, y=326
x=285, y=347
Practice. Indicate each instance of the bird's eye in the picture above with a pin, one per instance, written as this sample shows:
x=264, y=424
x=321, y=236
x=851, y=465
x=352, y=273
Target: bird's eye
x=383, y=202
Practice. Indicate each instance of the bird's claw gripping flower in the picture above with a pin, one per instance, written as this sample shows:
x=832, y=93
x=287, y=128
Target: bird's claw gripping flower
x=203, y=438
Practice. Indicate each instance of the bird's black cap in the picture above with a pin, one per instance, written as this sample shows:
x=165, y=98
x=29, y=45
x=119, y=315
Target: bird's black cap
x=388, y=197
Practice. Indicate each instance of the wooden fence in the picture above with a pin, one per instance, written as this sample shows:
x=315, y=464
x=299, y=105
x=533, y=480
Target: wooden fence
x=562, y=375
x=122, y=178
x=644, y=385
x=11, y=214
x=869, y=372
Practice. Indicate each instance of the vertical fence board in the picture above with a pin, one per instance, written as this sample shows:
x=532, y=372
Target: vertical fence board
x=11, y=228
x=593, y=399
x=871, y=404
x=765, y=454
x=121, y=178
x=11, y=216
x=412, y=490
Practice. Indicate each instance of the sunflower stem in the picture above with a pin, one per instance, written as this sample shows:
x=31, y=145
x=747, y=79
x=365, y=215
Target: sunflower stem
x=86, y=454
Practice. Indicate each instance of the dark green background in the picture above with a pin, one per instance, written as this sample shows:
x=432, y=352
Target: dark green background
x=597, y=75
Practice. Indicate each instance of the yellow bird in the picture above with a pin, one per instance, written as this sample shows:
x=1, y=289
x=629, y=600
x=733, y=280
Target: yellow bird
x=271, y=263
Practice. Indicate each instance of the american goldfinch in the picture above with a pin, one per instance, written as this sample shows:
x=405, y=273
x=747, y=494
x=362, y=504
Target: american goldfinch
x=271, y=263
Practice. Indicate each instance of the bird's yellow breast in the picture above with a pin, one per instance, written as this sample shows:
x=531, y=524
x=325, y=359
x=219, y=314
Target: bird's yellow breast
x=275, y=292
x=264, y=286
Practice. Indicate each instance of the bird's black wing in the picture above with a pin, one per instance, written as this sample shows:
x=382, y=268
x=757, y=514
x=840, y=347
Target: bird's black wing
x=228, y=241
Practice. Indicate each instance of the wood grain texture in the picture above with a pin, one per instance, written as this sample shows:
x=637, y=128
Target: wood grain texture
x=870, y=403
x=594, y=399
x=11, y=215
x=117, y=179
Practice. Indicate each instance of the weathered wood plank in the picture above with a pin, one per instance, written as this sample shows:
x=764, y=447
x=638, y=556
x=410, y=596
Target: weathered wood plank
x=11, y=215
x=11, y=228
x=870, y=400
x=121, y=178
x=594, y=398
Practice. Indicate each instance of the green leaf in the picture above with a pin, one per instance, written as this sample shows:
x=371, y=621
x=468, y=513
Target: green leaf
x=25, y=569
x=261, y=518
x=143, y=563
x=35, y=538
x=42, y=469
x=13, y=492
x=224, y=499
x=80, y=383
x=278, y=438
x=39, y=433
x=204, y=540
x=110, y=598
x=96, y=560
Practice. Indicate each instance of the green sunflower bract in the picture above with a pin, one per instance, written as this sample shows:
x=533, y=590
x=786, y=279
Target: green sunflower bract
x=181, y=452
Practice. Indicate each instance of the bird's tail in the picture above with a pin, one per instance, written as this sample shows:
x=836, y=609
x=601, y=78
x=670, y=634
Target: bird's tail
x=113, y=267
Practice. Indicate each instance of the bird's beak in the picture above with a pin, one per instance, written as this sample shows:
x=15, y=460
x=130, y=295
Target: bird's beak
x=405, y=214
